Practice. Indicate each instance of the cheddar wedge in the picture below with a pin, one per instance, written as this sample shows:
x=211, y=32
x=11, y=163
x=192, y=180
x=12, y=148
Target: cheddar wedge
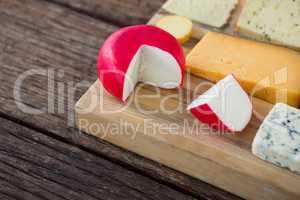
x=269, y=72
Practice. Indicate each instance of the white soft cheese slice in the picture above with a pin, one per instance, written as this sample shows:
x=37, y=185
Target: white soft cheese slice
x=211, y=12
x=278, y=139
x=275, y=21
x=153, y=66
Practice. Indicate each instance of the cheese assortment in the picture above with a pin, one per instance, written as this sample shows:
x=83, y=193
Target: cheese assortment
x=278, y=139
x=153, y=55
x=210, y=12
x=265, y=71
x=272, y=20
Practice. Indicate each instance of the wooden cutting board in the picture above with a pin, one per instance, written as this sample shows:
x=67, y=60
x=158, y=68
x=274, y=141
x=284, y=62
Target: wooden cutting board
x=154, y=123
x=179, y=141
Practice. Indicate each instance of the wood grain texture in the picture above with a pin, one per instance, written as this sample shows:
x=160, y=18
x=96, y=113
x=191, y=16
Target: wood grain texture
x=36, y=166
x=121, y=12
x=40, y=35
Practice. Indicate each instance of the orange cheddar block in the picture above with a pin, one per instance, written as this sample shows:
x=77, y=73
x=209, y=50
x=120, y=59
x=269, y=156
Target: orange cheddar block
x=269, y=72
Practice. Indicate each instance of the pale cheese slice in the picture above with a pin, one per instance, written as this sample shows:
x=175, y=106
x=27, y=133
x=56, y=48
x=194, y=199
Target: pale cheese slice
x=276, y=21
x=178, y=26
x=211, y=12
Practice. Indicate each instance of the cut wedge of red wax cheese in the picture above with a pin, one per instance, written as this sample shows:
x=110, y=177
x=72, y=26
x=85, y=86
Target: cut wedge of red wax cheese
x=141, y=53
x=225, y=107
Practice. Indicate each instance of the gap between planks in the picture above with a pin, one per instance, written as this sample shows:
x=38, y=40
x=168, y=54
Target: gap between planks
x=140, y=11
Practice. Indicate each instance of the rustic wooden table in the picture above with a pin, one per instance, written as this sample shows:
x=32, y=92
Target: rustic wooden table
x=48, y=52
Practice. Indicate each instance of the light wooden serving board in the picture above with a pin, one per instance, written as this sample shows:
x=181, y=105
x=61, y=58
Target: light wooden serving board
x=145, y=126
x=222, y=160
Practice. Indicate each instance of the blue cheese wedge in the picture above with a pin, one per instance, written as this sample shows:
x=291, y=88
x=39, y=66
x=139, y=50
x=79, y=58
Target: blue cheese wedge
x=278, y=139
x=210, y=12
x=276, y=21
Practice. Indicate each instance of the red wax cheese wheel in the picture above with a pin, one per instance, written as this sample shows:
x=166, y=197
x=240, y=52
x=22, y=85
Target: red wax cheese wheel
x=141, y=53
x=225, y=107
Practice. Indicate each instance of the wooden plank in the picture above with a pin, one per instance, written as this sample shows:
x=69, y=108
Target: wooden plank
x=36, y=166
x=34, y=36
x=124, y=13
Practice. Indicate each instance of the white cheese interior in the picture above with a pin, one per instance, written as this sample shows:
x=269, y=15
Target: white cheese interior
x=278, y=139
x=272, y=20
x=229, y=102
x=211, y=12
x=153, y=66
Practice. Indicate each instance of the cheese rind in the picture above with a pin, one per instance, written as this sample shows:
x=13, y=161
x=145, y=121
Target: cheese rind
x=225, y=106
x=272, y=21
x=265, y=71
x=211, y=12
x=278, y=139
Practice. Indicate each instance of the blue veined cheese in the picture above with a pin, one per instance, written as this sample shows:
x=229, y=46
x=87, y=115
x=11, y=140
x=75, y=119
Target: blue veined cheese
x=211, y=12
x=278, y=139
